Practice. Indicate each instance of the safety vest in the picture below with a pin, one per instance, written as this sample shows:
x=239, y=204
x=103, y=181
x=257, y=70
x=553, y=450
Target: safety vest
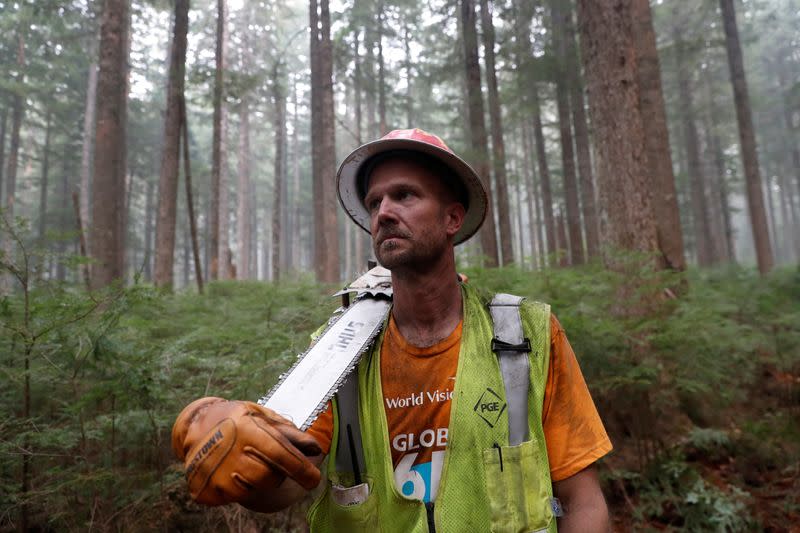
x=486, y=483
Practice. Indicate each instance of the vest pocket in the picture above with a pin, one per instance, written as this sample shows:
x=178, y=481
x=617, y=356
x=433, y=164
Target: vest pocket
x=519, y=498
x=328, y=515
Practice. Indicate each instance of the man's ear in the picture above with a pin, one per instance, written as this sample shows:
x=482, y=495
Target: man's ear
x=455, y=218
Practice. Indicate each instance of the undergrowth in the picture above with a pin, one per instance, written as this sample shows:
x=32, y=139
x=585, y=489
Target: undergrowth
x=700, y=397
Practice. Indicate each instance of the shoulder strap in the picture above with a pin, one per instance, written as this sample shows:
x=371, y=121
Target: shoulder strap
x=512, y=349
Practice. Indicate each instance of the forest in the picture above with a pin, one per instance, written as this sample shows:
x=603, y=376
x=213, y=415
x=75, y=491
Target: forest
x=169, y=228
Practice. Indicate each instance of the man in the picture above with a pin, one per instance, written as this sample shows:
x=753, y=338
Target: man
x=435, y=428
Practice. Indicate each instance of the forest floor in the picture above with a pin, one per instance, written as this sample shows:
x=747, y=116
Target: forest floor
x=705, y=420
x=743, y=476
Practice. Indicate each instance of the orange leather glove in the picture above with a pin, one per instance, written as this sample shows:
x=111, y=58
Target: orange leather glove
x=234, y=450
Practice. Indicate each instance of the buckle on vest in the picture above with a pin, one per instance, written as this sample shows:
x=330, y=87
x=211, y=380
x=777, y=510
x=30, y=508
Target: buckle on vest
x=500, y=346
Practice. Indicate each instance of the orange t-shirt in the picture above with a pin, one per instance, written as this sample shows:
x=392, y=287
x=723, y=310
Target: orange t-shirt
x=418, y=384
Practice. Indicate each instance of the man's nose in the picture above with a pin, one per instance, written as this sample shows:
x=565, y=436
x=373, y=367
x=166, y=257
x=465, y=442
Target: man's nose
x=385, y=211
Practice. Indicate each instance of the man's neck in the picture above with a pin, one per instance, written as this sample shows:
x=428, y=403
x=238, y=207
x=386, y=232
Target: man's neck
x=427, y=306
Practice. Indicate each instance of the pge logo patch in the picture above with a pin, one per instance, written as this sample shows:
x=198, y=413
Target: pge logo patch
x=490, y=407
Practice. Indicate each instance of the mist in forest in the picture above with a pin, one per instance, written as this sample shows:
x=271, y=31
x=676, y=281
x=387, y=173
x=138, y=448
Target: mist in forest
x=168, y=169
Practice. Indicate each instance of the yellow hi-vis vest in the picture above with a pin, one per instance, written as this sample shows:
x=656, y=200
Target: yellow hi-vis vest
x=486, y=485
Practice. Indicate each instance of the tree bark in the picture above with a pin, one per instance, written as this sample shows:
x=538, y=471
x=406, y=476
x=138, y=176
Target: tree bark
x=529, y=97
x=17, y=113
x=122, y=171
x=498, y=144
x=608, y=54
x=520, y=231
x=76, y=204
x=382, y=124
x=544, y=174
x=243, y=229
x=3, y=131
x=296, y=214
x=700, y=221
x=149, y=215
x=217, y=162
x=279, y=126
x=791, y=147
x=576, y=256
x=534, y=218
x=187, y=174
x=563, y=242
x=409, y=89
x=477, y=127
x=88, y=142
x=656, y=133
x=358, y=100
x=326, y=234
x=108, y=190
x=64, y=220
x=721, y=184
x=170, y=157
x=369, y=79
x=45, y=178
x=582, y=144
x=747, y=139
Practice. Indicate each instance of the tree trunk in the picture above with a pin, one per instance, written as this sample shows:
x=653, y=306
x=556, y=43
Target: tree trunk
x=88, y=142
x=534, y=220
x=357, y=95
x=656, y=138
x=187, y=173
x=45, y=178
x=526, y=87
x=126, y=180
x=582, y=143
x=296, y=224
x=786, y=227
x=721, y=184
x=279, y=126
x=148, y=230
x=409, y=89
x=544, y=174
x=17, y=112
x=64, y=220
x=170, y=158
x=216, y=147
x=747, y=139
x=608, y=54
x=243, y=230
x=108, y=189
x=382, y=124
x=3, y=125
x=76, y=205
x=576, y=256
x=771, y=226
x=791, y=148
x=498, y=145
x=369, y=79
x=520, y=230
x=326, y=234
x=562, y=247
x=477, y=130
x=702, y=231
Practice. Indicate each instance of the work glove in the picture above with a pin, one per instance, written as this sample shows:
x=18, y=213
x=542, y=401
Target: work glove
x=234, y=450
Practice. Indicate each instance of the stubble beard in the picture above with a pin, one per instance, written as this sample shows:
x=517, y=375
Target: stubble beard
x=418, y=254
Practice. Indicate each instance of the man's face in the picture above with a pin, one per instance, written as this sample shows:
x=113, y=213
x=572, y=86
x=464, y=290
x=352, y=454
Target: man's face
x=413, y=216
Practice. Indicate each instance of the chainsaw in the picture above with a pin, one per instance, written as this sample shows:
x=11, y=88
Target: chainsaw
x=302, y=393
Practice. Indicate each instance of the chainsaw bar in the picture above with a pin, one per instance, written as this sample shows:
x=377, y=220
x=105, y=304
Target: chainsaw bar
x=302, y=392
